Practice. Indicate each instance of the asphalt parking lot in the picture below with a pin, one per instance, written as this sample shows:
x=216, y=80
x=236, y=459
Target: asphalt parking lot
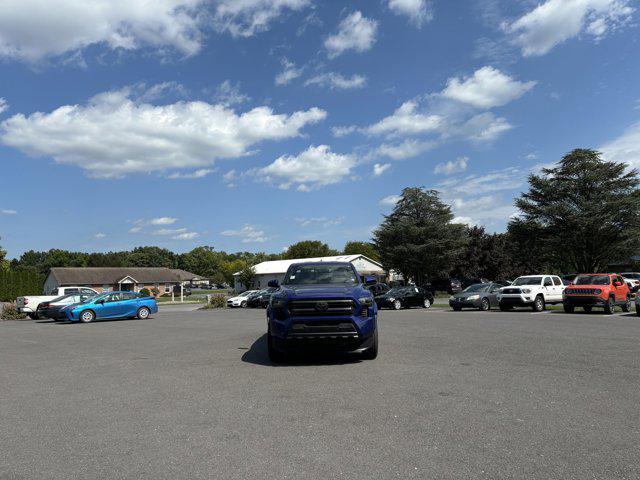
x=191, y=394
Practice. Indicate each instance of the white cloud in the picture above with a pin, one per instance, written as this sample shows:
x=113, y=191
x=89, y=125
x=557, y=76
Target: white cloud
x=229, y=94
x=337, y=81
x=452, y=166
x=229, y=178
x=484, y=127
x=32, y=29
x=407, y=149
x=390, y=200
x=113, y=135
x=316, y=167
x=168, y=231
x=418, y=11
x=406, y=120
x=200, y=173
x=380, y=168
x=486, y=88
x=343, y=131
x=98, y=236
x=248, y=233
x=160, y=90
x=625, y=148
x=245, y=18
x=163, y=221
x=321, y=221
x=289, y=72
x=506, y=179
x=8, y=212
x=556, y=21
x=4, y=106
x=355, y=32
x=485, y=210
x=186, y=236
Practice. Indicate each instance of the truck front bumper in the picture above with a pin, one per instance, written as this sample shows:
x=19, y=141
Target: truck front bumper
x=581, y=300
x=521, y=300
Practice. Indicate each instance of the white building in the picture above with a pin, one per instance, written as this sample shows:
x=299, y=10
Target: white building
x=275, y=270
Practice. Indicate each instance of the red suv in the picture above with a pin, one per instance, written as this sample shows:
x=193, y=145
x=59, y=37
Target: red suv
x=590, y=290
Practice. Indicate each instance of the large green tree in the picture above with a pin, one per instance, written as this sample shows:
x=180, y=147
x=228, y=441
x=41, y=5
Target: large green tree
x=583, y=213
x=418, y=239
x=309, y=249
x=4, y=264
x=367, y=249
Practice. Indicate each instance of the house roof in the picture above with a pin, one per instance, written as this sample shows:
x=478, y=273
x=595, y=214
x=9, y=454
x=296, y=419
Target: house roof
x=111, y=275
x=281, y=266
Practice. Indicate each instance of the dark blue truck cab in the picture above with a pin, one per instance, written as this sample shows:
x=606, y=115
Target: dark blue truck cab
x=322, y=305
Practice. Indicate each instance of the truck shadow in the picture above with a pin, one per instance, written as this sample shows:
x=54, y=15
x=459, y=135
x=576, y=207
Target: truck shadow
x=257, y=355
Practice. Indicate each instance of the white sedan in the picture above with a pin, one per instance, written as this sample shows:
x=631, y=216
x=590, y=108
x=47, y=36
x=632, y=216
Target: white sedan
x=240, y=300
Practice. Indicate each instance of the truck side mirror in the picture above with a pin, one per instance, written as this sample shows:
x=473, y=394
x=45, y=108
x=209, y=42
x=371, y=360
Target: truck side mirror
x=273, y=283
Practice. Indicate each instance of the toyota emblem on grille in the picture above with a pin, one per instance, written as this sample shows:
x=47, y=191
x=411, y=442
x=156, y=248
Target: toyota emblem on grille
x=322, y=306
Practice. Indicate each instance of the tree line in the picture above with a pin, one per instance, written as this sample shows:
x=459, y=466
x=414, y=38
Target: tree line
x=577, y=216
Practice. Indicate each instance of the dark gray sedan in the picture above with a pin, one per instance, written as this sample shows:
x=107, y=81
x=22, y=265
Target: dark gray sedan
x=480, y=296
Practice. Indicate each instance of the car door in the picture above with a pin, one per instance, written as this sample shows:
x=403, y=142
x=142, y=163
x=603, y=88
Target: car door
x=558, y=287
x=111, y=307
x=621, y=292
x=416, y=298
x=129, y=304
x=547, y=288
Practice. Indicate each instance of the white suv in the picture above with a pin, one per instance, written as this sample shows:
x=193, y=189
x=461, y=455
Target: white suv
x=533, y=291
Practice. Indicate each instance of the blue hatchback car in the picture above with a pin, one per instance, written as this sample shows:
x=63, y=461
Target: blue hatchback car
x=112, y=305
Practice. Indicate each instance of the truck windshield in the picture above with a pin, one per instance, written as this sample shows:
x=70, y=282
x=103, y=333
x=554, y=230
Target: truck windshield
x=592, y=280
x=321, y=275
x=527, y=281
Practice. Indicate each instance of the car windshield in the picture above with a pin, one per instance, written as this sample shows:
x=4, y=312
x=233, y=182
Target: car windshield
x=478, y=287
x=631, y=275
x=397, y=291
x=247, y=293
x=321, y=275
x=527, y=281
x=592, y=280
x=95, y=297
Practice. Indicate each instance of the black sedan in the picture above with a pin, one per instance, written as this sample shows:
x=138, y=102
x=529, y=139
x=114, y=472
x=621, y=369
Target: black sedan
x=51, y=309
x=405, y=297
x=260, y=299
x=480, y=296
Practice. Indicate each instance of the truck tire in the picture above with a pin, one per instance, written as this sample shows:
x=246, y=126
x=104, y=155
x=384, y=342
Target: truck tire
x=275, y=355
x=505, y=308
x=538, y=304
x=626, y=307
x=610, y=306
x=568, y=308
x=372, y=352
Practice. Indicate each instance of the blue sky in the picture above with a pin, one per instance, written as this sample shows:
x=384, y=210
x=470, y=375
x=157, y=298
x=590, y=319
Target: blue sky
x=253, y=124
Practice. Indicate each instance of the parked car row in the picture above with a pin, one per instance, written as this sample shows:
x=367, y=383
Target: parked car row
x=585, y=291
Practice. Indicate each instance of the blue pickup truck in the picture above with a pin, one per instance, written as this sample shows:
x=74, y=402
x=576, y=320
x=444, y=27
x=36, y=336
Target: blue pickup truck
x=323, y=305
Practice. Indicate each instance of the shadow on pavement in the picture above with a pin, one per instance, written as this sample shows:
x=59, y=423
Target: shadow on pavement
x=257, y=355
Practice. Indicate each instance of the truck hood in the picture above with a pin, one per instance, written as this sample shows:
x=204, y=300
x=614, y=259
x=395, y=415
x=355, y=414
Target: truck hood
x=323, y=291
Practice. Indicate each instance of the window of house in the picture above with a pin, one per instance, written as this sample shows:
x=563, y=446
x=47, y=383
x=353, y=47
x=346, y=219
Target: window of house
x=167, y=288
x=106, y=287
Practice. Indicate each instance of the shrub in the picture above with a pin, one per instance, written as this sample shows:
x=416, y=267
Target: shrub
x=217, y=301
x=10, y=312
x=155, y=291
x=145, y=292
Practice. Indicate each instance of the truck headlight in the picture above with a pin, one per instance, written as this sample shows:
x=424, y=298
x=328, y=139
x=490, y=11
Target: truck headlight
x=598, y=291
x=366, y=301
x=278, y=302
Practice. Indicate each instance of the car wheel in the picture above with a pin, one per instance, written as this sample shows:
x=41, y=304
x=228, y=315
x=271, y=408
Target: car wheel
x=626, y=307
x=243, y=304
x=143, y=313
x=33, y=316
x=372, y=352
x=87, y=316
x=505, y=308
x=587, y=309
x=485, y=306
x=610, y=306
x=457, y=309
x=538, y=304
x=568, y=308
x=397, y=305
x=275, y=355
x=637, y=310
x=427, y=303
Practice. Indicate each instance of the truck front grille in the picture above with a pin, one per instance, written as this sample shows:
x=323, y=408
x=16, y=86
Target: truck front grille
x=582, y=291
x=321, y=307
x=511, y=290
